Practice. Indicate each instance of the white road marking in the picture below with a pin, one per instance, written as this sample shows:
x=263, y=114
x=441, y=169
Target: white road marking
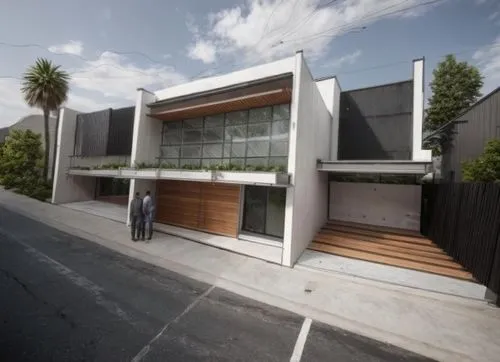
x=301, y=340
x=75, y=278
x=144, y=351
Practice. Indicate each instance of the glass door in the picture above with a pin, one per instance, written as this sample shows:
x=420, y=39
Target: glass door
x=264, y=210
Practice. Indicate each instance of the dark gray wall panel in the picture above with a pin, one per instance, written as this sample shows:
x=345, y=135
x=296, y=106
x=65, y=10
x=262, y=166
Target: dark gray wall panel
x=376, y=123
x=121, y=128
x=91, y=136
x=474, y=129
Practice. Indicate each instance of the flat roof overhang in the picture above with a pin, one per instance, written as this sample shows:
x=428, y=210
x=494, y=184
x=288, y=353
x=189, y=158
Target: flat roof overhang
x=277, y=90
x=374, y=166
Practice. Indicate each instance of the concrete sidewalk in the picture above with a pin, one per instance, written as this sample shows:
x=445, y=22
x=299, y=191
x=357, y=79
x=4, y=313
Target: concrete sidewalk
x=439, y=326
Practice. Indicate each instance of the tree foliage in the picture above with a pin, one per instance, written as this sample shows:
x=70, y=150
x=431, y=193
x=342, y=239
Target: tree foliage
x=486, y=168
x=21, y=164
x=455, y=87
x=45, y=86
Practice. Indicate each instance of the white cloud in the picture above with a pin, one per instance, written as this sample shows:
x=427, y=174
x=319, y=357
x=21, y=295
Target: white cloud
x=268, y=29
x=112, y=75
x=345, y=59
x=73, y=47
x=493, y=16
x=88, y=104
x=488, y=61
x=202, y=50
x=111, y=80
x=12, y=105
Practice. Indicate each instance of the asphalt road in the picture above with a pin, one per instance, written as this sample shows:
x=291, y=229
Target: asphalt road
x=63, y=298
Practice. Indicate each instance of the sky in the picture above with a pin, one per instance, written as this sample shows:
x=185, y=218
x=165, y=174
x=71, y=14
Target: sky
x=112, y=47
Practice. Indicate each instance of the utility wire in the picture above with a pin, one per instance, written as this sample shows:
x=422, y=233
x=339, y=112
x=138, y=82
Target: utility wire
x=368, y=17
x=117, y=52
x=359, y=70
x=199, y=74
x=306, y=18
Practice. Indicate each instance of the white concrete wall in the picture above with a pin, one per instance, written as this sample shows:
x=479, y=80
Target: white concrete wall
x=246, y=75
x=376, y=204
x=306, y=210
x=67, y=188
x=330, y=91
x=146, y=142
x=418, y=154
x=146, y=138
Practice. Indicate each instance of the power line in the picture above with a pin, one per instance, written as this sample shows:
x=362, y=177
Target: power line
x=255, y=45
x=386, y=65
x=160, y=72
x=117, y=52
x=359, y=70
x=368, y=17
x=306, y=18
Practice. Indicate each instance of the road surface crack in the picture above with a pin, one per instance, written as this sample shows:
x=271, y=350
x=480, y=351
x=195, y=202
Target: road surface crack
x=58, y=311
x=23, y=285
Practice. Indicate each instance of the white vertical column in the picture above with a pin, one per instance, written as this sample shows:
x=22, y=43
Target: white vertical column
x=418, y=154
x=334, y=135
x=292, y=162
x=142, y=147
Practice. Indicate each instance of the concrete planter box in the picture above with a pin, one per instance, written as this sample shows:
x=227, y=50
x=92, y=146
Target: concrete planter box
x=94, y=173
x=189, y=175
x=147, y=173
x=252, y=178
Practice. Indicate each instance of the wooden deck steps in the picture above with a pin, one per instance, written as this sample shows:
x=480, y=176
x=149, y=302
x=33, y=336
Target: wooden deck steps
x=395, y=247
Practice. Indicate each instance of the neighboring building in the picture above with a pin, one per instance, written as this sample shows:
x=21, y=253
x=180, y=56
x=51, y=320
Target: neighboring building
x=250, y=157
x=470, y=133
x=34, y=123
x=93, y=143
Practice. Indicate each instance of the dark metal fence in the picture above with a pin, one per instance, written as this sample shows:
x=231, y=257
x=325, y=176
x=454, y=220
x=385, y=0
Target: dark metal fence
x=464, y=220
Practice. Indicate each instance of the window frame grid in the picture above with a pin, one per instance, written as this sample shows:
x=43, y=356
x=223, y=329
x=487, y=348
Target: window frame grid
x=222, y=158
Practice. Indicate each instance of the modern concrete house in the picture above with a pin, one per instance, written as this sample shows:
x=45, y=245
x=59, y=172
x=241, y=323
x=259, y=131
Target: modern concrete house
x=268, y=162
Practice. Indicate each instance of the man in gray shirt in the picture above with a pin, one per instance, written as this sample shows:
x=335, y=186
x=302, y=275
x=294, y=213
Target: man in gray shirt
x=147, y=210
x=136, y=217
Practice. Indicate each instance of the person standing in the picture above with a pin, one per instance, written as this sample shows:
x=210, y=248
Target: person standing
x=136, y=217
x=147, y=210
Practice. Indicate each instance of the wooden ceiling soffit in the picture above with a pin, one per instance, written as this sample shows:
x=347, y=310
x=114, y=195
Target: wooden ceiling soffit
x=262, y=99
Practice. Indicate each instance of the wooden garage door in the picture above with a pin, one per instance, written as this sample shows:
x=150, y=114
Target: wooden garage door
x=202, y=206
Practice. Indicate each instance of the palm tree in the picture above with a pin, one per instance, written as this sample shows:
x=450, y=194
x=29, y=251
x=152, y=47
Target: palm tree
x=45, y=86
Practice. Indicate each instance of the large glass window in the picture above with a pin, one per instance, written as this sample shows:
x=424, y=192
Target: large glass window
x=264, y=210
x=251, y=138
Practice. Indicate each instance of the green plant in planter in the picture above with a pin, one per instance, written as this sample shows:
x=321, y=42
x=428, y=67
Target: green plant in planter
x=277, y=168
x=168, y=166
x=110, y=166
x=190, y=167
x=144, y=165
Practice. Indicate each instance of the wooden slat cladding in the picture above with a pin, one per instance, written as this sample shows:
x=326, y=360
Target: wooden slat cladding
x=196, y=205
x=178, y=203
x=220, y=208
x=281, y=96
x=383, y=245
